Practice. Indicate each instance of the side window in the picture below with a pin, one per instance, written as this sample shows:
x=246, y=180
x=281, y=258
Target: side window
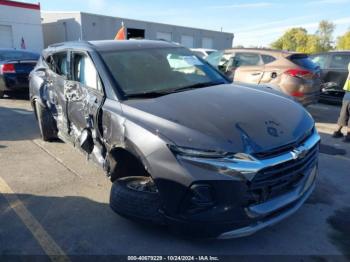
x=267, y=59
x=84, y=71
x=214, y=58
x=49, y=62
x=246, y=59
x=340, y=61
x=320, y=60
x=60, y=64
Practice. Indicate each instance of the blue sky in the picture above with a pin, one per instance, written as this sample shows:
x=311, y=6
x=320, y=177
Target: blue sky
x=253, y=22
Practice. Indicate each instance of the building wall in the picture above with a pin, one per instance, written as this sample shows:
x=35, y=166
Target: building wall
x=61, y=27
x=97, y=27
x=22, y=22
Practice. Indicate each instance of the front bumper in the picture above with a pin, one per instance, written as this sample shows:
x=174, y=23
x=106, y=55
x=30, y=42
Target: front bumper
x=237, y=209
x=287, y=210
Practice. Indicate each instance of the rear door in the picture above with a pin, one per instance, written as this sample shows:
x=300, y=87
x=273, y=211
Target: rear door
x=84, y=94
x=247, y=67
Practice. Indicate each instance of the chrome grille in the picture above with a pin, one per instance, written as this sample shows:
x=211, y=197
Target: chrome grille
x=276, y=180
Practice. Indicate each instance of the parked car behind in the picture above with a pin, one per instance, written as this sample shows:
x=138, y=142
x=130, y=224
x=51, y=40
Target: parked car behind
x=334, y=71
x=203, y=52
x=15, y=66
x=292, y=73
x=183, y=147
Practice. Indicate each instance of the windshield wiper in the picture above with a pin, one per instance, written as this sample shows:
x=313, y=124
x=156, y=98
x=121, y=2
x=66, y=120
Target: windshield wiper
x=155, y=94
x=198, y=85
x=147, y=95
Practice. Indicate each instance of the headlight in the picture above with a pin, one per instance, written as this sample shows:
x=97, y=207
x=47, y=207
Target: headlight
x=197, y=153
x=185, y=151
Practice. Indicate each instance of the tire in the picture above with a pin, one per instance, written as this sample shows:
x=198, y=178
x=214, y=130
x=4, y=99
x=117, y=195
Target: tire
x=136, y=204
x=47, y=124
x=2, y=93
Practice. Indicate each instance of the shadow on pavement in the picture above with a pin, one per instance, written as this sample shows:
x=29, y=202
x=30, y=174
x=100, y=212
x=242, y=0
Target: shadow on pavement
x=17, y=124
x=325, y=113
x=17, y=96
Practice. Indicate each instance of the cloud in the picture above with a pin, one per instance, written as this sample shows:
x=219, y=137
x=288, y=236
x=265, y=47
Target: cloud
x=243, y=5
x=328, y=2
x=272, y=23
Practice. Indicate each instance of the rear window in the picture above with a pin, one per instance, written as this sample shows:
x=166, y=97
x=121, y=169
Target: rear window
x=340, y=61
x=267, y=59
x=303, y=61
x=17, y=55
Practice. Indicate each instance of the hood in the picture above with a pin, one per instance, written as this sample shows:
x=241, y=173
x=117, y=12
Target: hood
x=228, y=118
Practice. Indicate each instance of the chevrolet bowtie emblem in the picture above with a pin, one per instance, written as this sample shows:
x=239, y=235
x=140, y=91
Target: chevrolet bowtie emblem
x=299, y=153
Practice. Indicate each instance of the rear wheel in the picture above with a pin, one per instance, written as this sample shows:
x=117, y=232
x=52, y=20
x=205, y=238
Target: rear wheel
x=46, y=123
x=136, y=198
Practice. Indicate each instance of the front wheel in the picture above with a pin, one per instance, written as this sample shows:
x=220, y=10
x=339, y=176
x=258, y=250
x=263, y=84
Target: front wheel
x=136, y=198
x=47, y=124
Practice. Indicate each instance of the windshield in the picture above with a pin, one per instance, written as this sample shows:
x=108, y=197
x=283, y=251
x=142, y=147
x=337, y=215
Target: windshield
x=159, y=70
x=17, y=55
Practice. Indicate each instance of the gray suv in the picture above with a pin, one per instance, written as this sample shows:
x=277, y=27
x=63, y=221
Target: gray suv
x=182, y=146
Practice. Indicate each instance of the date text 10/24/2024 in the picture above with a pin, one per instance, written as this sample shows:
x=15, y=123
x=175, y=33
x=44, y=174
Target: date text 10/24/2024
x=173, y=258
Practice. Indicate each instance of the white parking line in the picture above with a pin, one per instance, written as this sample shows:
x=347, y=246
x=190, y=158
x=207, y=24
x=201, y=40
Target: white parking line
x=47, y=243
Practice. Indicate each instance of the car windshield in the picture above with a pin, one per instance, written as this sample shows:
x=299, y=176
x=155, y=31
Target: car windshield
x=17, y=55
x=159, y=70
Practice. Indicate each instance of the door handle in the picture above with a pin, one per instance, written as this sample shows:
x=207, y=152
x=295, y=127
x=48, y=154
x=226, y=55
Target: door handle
x=256, y=74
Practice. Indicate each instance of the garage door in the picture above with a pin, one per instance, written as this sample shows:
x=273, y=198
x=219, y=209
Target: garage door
x=207, y=42
x=187, y=41
x=6, y=39
x=164, y=36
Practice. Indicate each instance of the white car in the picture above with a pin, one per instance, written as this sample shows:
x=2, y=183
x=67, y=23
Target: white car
x=202, y=52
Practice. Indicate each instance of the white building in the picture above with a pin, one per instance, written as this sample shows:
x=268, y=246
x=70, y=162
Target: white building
x=20, y=26
x=71, y=26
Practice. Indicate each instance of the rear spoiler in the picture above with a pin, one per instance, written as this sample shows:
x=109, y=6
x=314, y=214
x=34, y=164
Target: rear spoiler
x=296, y=55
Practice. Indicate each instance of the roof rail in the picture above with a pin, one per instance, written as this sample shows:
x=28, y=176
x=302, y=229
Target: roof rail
x=80, y=42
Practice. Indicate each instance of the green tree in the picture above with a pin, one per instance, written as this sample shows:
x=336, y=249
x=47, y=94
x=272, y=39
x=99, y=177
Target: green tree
x=343, y=42
x=325, y=33
x=295, y=39
x=313, y=45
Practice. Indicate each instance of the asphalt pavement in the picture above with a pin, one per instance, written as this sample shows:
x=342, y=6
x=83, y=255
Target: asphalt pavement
x=54, y=202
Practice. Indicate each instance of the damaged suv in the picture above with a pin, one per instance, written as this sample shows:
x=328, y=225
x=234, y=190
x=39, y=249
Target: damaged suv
x=181, y=144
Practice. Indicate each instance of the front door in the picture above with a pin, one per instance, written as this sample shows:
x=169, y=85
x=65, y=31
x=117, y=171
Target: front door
x=58, y=74
x=84, y=94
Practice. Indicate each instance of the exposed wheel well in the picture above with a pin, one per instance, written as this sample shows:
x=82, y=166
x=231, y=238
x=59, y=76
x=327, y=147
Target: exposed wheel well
x=122, y=163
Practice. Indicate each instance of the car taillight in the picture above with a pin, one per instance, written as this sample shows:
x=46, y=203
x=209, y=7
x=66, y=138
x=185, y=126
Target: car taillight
x=297, y=94
x=7, y=69
x=298, y=73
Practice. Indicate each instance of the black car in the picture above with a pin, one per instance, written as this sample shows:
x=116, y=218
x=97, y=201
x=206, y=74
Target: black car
x=15, y=67
x=334, y=71
x=181, y=144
